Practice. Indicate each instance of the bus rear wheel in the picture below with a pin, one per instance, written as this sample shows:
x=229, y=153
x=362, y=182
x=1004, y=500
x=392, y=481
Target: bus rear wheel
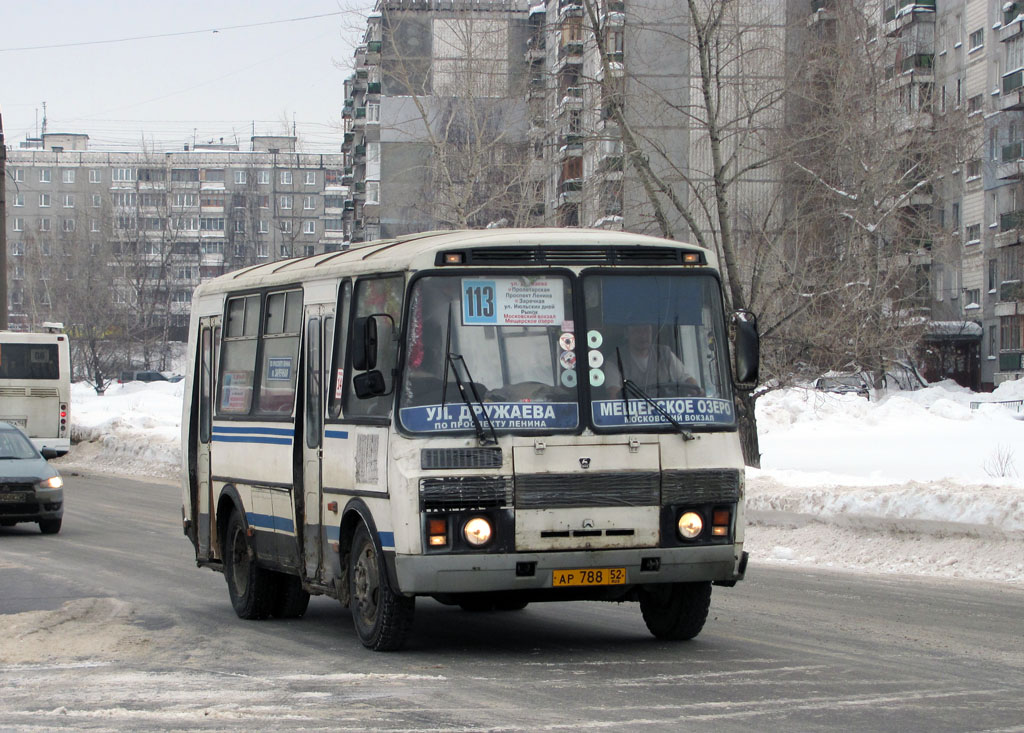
x=676, y=611
x=382, y=617
x=250, y=587
x=290, y=599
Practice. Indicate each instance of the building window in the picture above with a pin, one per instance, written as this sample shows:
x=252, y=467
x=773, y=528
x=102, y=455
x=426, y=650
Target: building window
x=332, y=177
x=973, y=234
x=332, y=202
x=19, y=199
x=185, y=175
x=956, y=218
x=240, y=226
x=308, y=202
x=69, y=201
x=44, y=175
x=94, y=176
x=94, y=225
x=97, y=200
x=993, y=272
x=309, y=227
x=240, y=178
x=17, y=248
x=284, y=203
x=976, y=40
x=68, y=225
x=211, y=224
x=974, y=104
x=334, y=225
x=973, y=170
x=286, y=226
x=123, y=174
x=67, y=175
x=972, y=301
x=263, y=177
x=125, y=200
x=19, y=224
x=373, y=192
x=185, y=200
x=286, y=178
x=993, y=342
x=44, y=224
x=262, y=250
x=19, y=175
x=310, y=178
x=373, y=112
x=213, y=175
x=309, y=250
x=186, y=224
x=264, y=226
x=286, y=250
x=1010, y=333
x=44, y=199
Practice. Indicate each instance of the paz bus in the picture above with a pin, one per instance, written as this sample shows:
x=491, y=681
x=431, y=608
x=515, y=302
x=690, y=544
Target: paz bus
x=35, y=387
x=487, y=418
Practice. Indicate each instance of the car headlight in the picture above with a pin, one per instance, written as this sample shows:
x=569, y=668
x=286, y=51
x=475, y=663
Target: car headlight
x=690, y=525
x=54, y=482
x=477, y=531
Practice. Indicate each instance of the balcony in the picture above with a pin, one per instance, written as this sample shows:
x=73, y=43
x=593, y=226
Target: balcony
x=360, y=151
x=570, y=146
x=373, y=87
x=903, y=13
x=1013, y=91
x=373, y=49
x=1009, y=166
x=1010, y=225
x=1011, y=291
x=535, y=48
x=569, y=191
x=1013, y=22
x=570, y=8
x=571, y=99
x=1011, y=362
x=569, y=53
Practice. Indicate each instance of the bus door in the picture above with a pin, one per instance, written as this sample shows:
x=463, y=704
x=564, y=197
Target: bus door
x=203, y=502
x=319, y=335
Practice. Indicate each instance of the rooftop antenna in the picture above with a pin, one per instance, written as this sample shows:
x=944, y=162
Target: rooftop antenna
x=293, y=124
x=44, y=119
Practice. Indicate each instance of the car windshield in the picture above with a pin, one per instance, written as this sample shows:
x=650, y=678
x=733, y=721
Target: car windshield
x=509, y=342
x=14, y=445
x=656, y=351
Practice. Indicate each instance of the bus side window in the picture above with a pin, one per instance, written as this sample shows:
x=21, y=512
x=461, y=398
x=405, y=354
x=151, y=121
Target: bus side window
x=239, y=362
x=336, y=380
x=378, y=296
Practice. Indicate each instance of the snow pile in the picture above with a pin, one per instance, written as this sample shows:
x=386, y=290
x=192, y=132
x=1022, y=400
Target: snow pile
x=913, y=482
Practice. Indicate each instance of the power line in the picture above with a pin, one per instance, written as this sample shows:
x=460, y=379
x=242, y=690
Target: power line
x=170, y=35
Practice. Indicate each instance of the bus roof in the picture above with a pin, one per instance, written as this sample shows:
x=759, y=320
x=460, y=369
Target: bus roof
x=551, y=247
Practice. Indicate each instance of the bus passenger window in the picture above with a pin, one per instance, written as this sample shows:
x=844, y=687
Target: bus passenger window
x=280, y=353
x=239, y=362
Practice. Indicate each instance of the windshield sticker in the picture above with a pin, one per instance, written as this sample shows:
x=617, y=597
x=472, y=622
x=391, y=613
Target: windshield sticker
x=507, y=301
x=596, y=377
x=567, y=342
x=594, y=339
x=568, y=379
x=596, y=359
x=567, y=359
x=503, y=416
x=612, y=413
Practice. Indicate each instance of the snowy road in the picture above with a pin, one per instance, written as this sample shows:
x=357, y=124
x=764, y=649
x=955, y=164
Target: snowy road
x=130, y=635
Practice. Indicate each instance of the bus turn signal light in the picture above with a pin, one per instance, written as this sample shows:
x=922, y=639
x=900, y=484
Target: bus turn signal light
x=437, y=532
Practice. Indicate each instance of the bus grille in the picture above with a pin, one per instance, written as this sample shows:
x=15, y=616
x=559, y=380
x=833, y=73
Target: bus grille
x=43, y=392
x=554, y=490
x=719, y=486
x=12, y=391
x=455, y=493
x=439, y=458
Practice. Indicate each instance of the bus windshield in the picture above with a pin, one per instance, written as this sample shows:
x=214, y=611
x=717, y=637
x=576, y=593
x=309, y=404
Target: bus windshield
x=507, y=338
x=656, y=351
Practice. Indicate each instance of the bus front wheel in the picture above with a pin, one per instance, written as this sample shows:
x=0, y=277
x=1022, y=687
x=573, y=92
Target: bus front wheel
x=676, y=611
x=250, y=587
x=382, y=617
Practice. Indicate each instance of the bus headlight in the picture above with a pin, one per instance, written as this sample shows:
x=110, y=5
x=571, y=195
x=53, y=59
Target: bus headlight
x=690, y=525
x=477, y=531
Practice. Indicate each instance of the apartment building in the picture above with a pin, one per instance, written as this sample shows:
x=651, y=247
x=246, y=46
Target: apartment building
x=164, y=220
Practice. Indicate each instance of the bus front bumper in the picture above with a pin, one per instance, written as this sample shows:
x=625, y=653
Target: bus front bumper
x=430, y=574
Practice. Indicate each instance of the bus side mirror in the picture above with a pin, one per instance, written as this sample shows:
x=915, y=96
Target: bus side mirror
x=364, y=344
x=369, y=384
x=746, y=349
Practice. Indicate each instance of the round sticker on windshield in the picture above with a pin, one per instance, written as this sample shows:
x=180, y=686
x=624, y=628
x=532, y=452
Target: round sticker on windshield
x=568, y=379
x=596, y=377
x=594, y=339
x=596, y=359
x=567, y=341
x=567, y=359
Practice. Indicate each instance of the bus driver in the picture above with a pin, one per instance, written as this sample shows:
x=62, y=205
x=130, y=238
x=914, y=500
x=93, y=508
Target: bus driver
x=648, y=365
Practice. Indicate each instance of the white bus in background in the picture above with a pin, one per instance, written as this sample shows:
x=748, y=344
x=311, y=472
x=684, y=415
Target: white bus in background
x=35, y=386
x=455, y=415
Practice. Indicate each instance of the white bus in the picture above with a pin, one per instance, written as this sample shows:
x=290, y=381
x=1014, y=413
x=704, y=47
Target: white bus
x=35, y=388
x=488, y=418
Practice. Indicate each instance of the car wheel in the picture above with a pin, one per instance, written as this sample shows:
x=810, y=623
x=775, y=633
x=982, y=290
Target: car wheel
x=250, y=587
x=676, y=611
x=49, y=526
x=382, y=617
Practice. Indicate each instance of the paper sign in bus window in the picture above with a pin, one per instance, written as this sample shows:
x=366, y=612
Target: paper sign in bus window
x=513, y=301
x=279, y=369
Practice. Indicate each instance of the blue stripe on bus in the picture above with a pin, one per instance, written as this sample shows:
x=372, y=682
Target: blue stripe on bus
x=226, y=429
x=269, y=521
x=342, y=434
x=387, y=540
x=333, y=533
x=250, y=439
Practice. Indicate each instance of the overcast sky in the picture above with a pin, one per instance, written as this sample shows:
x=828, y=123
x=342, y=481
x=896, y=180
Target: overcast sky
x=184, y=80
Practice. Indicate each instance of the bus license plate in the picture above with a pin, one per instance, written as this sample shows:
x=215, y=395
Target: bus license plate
x=13, y=498
x=588, y=576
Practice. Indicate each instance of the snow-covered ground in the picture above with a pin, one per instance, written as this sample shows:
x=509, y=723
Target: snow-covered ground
x=915, y=482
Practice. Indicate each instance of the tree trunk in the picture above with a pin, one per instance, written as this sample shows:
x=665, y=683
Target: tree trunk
x=747, y=423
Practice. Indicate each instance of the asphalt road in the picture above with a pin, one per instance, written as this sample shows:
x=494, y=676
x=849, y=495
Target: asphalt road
x=110, y=626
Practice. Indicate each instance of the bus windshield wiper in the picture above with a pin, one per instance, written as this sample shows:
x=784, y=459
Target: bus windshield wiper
x=628, y=385
x=471, y=397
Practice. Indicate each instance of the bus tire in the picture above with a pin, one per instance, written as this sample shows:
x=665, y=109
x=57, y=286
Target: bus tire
x=382, y=618
x=49, y=526
x=676, y=611
x=290, y=599
x=250, y=587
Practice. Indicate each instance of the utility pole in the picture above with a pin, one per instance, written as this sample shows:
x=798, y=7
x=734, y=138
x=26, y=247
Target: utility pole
x=3, y=228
